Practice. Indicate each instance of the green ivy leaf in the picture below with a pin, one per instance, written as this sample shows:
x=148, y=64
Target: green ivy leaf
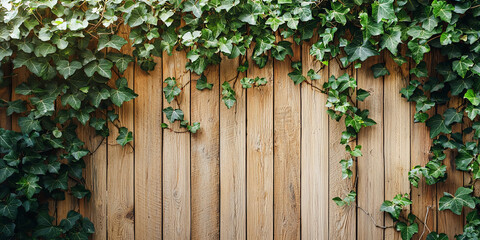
x=67, y=69
x=407, y=231
x=452, y=116
x=124, y=136
x=29, y=124
x=473, y=97
x=437, y=125
x=359, y=49
x=379, y=70
x=383, y=10
x=173, y=114
x=202, y=84
x=443, y=10
x=297, y=76
x=455, y=203
x=29, y=185
x=436, y=236
x=121, y=95
x=462, y=66
x=228, y=95
x=17, y=106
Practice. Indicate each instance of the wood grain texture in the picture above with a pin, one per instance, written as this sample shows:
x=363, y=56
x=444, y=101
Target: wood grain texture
x=95, y=180
x=260, y=153
x=205, y=151
x=176, y=156
x=342, y=220
x=448, y=222
x=371, y=165
x=314, y=154
x=396, y=140
x=287, y=130
x=148, y=152
x=233, y=157
x=120, y=168
x=425, y=195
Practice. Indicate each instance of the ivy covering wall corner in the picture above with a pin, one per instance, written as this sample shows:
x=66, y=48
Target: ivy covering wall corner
x=72, y=51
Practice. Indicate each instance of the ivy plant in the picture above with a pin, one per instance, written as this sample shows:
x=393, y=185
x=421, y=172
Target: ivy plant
x=77, y=54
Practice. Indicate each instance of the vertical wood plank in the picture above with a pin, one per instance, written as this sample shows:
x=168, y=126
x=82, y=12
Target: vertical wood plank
x=233, y=157
x=287, y=130
x=176, y=156
x=148, y=152
x=425, y=195
x=205, y=158
x=342, y=220
x=95, y=180
x=120, y=170
x=448, y=222
x=314, y=153
x=371, y=166
x=260, y=153
x=396, y=140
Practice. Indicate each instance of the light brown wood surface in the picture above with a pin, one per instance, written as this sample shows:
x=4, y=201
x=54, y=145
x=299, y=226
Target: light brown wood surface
x=342, y=220
x=176, y=156
x=121, y=166
x=286, y=174
x=266, y=169
x=314, y=161
x=371, y=166
x=148, y=152
x=397, y=137
x=205, y=150
x=233, y=180
x=260, y=154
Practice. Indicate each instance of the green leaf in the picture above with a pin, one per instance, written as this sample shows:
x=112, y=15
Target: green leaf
x=194, y=127
x=44, y=49
x=9, y=208
x=443, y=10
x=67, y=69
x=121, y=95
x=111, y=41
x=418, y=50
x=103, y=67
x=437, y=125
x=452, y=116
x=70, y=221
x=462, y=66
x=173, y=114
x=391, y=41
x=313, y=75
x=29, y=124
x=202, y=83
x=473, y=97
x=456, y=203
x=383, y=10
x=362, y=94
x=121, y=61
x=360, y=49
x=407, y=231
x=436, y=236
x=124, y=136
x=297, y=76
x=17, y=106
x=228, y=95
x=379, y=70
x=29, y=185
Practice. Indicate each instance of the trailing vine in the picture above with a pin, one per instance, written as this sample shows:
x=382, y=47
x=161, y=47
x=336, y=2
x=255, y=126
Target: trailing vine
x=72, y=50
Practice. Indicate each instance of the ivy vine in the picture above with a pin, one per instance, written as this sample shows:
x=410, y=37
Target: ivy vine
x=72, y=50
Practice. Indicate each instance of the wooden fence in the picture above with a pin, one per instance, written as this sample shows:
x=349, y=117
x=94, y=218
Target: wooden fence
x=267, y=168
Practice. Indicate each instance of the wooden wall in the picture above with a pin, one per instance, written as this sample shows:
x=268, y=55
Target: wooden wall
x=267, y=168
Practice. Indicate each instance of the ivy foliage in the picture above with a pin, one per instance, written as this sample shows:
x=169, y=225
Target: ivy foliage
x=72, y=50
